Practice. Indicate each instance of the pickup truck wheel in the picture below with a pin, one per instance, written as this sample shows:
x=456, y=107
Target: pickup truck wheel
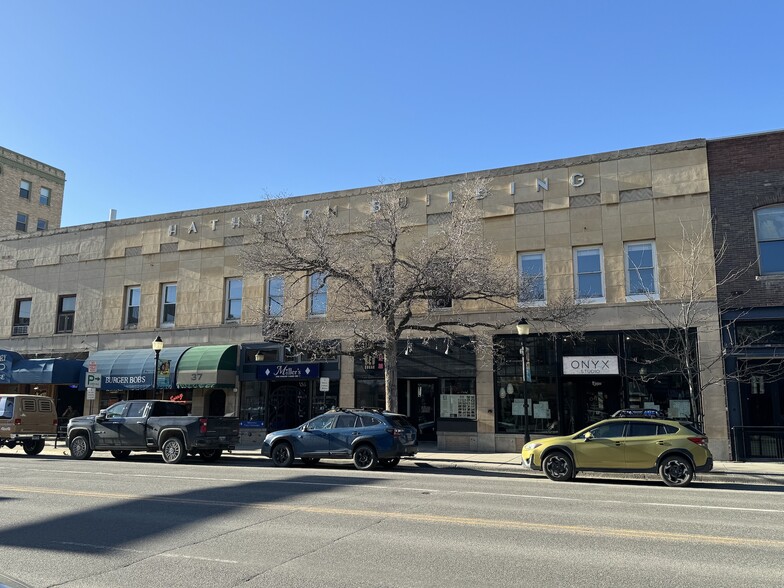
x=389, y=463
x=80, y=447
x=282, y=454
x=121, y=453
x=365, y=457
x=210, y=455
x=173, y=450
x=33, y=447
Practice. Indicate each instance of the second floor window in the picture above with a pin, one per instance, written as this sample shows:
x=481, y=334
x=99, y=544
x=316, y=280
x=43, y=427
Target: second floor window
x=21, y=222
x=66, y=309
x=43, y=224
x=275, y=296
x=588, y=274
x=133, y=298
x=24, y=189
x=22, y=310
x=233, y=300
x=318, y=294
x=168, y=304
x=45, y=196
x=769, y=223
x=640, y=270
x=532, y=278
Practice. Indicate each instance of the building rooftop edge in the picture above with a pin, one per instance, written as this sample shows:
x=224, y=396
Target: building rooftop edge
x=410, y=184
x=26, y=160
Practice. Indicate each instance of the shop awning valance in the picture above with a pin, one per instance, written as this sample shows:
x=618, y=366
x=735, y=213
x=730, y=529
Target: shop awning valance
x=208, y=366
x=132, y=369
x=15, y=369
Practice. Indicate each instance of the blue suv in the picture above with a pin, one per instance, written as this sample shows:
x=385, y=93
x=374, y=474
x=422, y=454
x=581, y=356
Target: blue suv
x=368, y=436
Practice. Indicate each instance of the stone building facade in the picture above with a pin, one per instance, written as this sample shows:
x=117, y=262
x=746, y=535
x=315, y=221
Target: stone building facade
x=579, y=219
x=31, y=194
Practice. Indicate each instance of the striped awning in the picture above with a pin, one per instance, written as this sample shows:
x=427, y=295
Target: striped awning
x=133, y=369
x=208, y=366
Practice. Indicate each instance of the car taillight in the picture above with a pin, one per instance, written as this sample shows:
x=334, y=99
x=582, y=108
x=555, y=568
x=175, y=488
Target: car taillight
x=395, y=432
x=54, y=422
x=202, y=426
x=17, y=421
x=701, y=441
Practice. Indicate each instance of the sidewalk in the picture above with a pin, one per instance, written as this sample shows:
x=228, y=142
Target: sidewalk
x=766, y=473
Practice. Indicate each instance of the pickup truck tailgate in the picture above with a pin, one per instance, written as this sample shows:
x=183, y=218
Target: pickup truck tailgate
x=227, y=427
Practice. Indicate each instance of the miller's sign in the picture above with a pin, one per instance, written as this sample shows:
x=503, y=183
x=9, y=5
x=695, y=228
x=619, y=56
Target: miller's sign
x=590, y=365
x=288, y=371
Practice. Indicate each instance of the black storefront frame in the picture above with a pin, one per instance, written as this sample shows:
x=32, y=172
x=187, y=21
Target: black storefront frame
x=750, y=440
x=636, y=379
x=437, y=360
x=251, y=386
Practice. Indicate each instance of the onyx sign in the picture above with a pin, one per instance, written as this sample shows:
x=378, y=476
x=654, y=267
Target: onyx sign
x=590, y=365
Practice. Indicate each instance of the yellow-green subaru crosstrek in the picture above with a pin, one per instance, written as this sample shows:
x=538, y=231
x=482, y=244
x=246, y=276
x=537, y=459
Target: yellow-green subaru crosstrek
x=641, y=441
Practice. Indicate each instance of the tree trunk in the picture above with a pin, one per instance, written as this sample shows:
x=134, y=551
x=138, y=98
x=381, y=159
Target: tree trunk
x=390, y=373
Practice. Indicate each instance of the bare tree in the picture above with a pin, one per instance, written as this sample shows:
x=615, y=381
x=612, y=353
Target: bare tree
x=389, y=275
x=689, y=306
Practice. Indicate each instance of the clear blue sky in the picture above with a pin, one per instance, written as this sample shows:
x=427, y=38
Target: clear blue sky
x=157, y=106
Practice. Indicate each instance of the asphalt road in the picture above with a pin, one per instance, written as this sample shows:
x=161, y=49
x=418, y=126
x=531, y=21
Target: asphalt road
x=242, y=522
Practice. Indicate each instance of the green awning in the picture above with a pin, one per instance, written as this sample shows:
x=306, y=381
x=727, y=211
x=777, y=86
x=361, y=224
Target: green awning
x=208, y=366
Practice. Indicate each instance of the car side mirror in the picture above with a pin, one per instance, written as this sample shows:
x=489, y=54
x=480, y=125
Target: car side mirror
x=101, y=415
x=305, y=428
x=588, y=436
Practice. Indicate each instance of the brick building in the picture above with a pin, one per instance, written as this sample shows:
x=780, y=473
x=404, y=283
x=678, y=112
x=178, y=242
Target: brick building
x=747, y=198
x=31, y=194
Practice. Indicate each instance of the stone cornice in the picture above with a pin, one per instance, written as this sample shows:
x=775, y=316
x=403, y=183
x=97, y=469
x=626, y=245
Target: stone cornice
x=17, y=160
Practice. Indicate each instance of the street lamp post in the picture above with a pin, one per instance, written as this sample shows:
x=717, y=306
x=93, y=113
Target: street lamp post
x=157, y=345
x=523, y=328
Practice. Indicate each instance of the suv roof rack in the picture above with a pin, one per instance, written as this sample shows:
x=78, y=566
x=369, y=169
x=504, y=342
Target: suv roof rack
x=646, y=413
x=365, y=408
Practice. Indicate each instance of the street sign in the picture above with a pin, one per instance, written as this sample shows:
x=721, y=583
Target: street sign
x=92, y=380
x=90, y=394
x=92, y=367
x=323, y=384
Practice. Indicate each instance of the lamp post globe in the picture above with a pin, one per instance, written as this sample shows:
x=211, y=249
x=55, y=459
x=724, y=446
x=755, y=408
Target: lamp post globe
x=157, y=346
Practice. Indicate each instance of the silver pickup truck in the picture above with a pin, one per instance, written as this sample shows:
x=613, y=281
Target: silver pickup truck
x=152, y=426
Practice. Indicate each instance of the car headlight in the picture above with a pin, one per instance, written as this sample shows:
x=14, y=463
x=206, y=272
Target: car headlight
x=531, y=446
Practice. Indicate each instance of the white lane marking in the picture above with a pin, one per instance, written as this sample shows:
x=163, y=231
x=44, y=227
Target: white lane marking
x=242, y=480
x=433, y=491
x=148, y=553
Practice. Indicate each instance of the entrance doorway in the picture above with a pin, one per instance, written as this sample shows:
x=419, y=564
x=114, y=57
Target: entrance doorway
x=217, y=406
x=288, y=405
x=589, y=399
x=418, y=400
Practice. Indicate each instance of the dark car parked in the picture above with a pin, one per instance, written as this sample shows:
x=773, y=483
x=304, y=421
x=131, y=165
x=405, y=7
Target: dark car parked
x=368, y=436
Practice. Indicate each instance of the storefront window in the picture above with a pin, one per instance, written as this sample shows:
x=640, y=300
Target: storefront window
x=525, y=377
x=371, y=394
x=324, y=401
x=458, y=399
x=252, y=410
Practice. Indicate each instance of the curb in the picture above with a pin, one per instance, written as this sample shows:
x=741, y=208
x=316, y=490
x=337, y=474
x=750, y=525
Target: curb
x=715, y=477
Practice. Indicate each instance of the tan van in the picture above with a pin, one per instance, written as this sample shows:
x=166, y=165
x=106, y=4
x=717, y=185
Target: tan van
x=27, y=420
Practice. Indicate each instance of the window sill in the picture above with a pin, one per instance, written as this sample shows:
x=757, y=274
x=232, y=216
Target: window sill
x=642, y=297
x=601, y=300
x=770, y=278
x=531, y=303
